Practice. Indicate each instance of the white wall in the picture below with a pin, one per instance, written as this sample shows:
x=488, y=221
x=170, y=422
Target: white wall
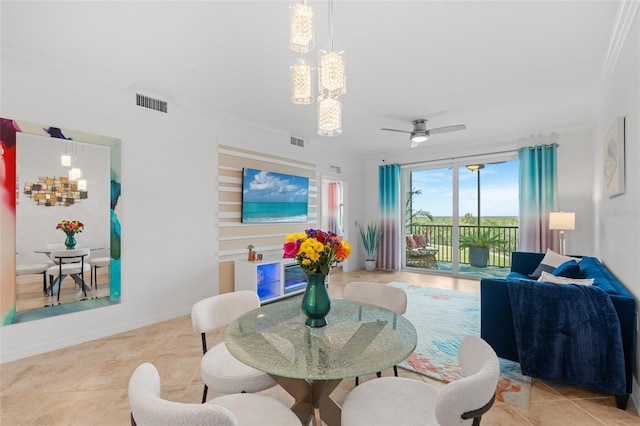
x=168, y=202
x=617, y=220
x=575, y=170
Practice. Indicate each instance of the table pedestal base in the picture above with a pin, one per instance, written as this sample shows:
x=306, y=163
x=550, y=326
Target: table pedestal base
x=312, y=400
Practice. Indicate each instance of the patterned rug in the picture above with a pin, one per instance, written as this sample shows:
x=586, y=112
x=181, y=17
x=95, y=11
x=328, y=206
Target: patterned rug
x=442, y=318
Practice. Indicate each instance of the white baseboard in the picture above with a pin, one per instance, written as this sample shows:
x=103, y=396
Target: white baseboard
x=90, y=335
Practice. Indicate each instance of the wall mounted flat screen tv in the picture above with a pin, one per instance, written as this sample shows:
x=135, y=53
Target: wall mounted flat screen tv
x=270, y=197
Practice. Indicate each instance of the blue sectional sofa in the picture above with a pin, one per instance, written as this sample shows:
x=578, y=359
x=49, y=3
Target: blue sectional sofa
x=498, y=329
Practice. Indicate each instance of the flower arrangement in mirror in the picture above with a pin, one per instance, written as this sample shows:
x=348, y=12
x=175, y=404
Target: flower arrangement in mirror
x=70, y=228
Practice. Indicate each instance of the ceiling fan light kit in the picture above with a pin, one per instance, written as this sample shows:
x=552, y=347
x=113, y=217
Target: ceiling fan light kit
x=419, y=137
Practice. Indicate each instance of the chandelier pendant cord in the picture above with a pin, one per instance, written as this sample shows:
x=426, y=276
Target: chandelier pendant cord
x=331, y=25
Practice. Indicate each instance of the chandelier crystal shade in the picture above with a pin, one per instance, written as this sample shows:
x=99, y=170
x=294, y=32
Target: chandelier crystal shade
x=301, y=36
x=332, y=80
x=302, y=87
x=329, y=116
x=75, y=174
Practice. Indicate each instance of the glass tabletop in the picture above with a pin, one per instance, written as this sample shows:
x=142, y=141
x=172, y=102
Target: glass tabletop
x=358, y=339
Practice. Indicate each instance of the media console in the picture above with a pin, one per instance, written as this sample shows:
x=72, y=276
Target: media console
x=272, y=279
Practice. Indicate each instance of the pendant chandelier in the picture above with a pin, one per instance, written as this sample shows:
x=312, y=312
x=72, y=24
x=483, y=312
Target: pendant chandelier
x=332, y=82
x=329, y=116
x=301, y=35
x=302, y=88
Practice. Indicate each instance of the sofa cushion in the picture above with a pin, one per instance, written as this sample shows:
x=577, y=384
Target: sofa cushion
x=558, y=279
x=411, y=242
x=550, y=262
x=569, y=269
x=420, y=240
x=593, y=268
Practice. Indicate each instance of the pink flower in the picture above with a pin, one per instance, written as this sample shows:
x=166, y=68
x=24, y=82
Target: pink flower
x=290, y=250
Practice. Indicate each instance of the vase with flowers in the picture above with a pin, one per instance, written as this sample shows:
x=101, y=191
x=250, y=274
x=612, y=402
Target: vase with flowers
x=316, y=252
x=70, y=228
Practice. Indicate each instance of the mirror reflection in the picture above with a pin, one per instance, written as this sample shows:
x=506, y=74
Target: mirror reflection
x=59, y=180
x=66, y=190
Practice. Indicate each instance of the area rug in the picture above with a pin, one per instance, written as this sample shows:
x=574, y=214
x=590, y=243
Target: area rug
x=442, y=318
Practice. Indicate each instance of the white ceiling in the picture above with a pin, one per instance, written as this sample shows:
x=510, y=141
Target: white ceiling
x=500, y=67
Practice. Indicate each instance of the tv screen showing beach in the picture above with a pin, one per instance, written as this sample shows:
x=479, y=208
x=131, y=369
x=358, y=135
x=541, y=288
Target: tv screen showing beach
x=270, y=197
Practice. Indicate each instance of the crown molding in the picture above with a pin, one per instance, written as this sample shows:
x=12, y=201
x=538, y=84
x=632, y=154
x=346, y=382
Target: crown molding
x=627, y=12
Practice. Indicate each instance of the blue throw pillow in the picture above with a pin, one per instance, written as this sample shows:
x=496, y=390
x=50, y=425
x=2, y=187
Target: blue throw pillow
x=569, y=269
x=541, y=267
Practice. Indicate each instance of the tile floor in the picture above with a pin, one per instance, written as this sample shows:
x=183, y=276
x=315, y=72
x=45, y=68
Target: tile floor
x=87, y=384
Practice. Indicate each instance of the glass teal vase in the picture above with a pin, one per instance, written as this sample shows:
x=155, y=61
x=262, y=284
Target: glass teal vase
x=70, y=242
x=315, y=302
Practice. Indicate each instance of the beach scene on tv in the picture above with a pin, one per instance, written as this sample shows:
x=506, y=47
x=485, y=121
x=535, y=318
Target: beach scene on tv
x=269, y=197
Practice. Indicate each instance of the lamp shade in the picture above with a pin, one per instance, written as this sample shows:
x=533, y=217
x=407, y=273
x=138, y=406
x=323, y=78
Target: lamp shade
x=564, y=221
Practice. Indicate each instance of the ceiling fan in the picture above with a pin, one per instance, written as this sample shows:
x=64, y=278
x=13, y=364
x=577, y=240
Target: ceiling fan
x=420, y=133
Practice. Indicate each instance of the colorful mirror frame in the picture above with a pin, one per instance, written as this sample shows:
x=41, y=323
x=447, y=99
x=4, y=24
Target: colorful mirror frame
x=8, y=134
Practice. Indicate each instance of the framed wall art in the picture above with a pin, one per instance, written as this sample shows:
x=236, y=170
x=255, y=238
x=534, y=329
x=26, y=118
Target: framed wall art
x=614, y=159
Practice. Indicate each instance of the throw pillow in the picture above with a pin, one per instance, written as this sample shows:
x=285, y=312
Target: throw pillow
x=421, y=241
x=553, y=279
x=411, y=243
x=569, y=269
x=550, y=262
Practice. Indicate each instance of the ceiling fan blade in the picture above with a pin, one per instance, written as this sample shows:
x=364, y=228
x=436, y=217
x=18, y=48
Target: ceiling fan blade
x=396, y=130
x=446, y=129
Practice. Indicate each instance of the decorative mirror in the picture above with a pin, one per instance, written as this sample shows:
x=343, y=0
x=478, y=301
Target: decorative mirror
x=51, y=176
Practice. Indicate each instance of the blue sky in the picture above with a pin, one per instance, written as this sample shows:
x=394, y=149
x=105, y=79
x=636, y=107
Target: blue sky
x=498, y=190
x=271, y=187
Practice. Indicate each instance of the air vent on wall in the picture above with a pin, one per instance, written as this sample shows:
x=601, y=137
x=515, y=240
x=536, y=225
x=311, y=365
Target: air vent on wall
x=335, y=169
x=151, y=103
x=297, y=141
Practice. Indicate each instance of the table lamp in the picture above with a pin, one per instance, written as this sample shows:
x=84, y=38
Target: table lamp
x=562, y=221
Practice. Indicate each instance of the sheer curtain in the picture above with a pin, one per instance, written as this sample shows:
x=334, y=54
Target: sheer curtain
x=538, y=196
x=390, y=213
x=333, y=208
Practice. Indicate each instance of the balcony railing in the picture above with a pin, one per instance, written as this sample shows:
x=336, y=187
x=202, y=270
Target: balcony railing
x=441, y=237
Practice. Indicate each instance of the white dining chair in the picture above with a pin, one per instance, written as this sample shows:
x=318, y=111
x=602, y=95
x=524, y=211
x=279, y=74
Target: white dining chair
x=35, y=269
x=408, y=402
x=148, y=408
x=219, y=369
x=385, y=296
x=97, y=262
x=69, y=262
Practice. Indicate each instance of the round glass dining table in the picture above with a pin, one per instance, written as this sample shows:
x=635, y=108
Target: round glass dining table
x=309, y=363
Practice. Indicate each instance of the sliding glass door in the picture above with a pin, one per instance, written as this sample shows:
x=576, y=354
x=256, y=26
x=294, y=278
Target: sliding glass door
x=461, y=216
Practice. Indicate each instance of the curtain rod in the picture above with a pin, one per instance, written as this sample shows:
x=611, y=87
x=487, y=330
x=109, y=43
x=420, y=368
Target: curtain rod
x=508, y=151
